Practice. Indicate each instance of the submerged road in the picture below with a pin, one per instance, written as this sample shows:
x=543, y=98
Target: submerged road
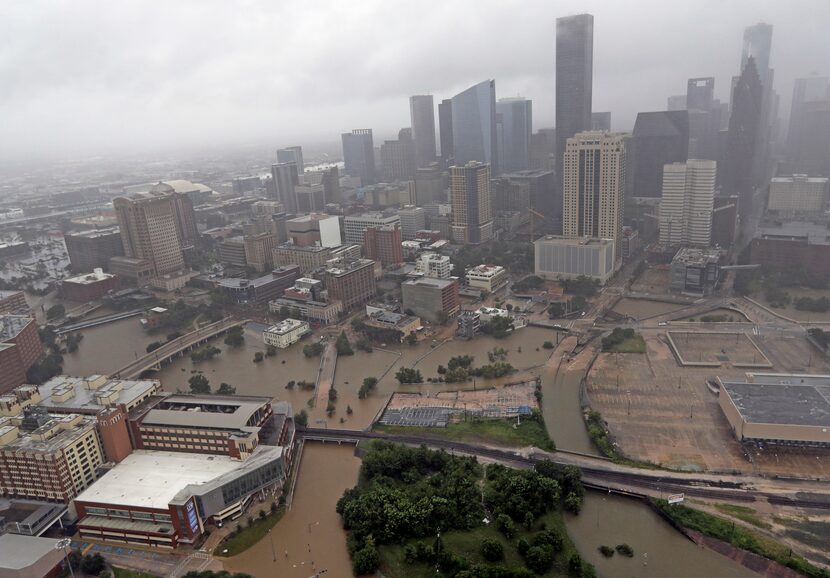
x=603, y=474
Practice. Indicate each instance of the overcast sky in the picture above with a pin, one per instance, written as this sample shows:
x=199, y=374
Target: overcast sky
x=81, y=77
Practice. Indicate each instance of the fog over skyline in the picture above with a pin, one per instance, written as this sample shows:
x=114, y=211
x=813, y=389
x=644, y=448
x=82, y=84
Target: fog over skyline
x=90, y=78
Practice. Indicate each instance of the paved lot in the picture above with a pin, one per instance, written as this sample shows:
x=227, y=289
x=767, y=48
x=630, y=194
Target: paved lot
x=722, y=348
x=150, y=562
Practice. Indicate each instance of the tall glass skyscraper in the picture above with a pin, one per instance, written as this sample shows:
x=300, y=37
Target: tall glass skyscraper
x=422, y=115
x=574, y=79
x=515, y=118
x=474, y=126
x=359, y=155
x=758, y=45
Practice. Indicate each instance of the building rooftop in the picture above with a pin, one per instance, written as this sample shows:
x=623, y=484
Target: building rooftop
x=485, y=269
x=96, y=276
x=152, y=479
x=286, y=326
x=7, y=294
x=20, y=552
x=813, y=233
x=207, y=411
x=695, y=256
x=93, y=392
x=277, y=273
x=583, y=241
x=95, y=233
x=56, y=431
x=802, y=179
x=430, y=282
x=342, y=266
x=781, y=399
x=12, y=325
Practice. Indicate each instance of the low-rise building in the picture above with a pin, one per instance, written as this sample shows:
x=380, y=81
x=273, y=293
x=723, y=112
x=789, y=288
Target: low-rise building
x=285, y=333
x=231, y=251
x=138, y=271
x=434, y=265
x=567, y=258
x=489, y=278
x=172, y=281
x=469, y=324
x=314, y=229
x=351, y=281
x=13, y=303
x=262, y=289
x=792, y=245
x=798, y=194
x=430, y=298
x=306, y=258
x=89, y=286
x=695, y=271
x=406, y=324
x=20, y=348
x=30, y=556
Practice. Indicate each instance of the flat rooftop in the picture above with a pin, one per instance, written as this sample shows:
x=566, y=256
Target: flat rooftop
x=430, y=282
x=213, y=412
x=775, y=399
x=286, y=326
x=89, y=278
x=151, y=479
x=813, y=233
x=575, y=241
x=86, y=392
x=19, y=552
x=96, y=233
x=12, y=325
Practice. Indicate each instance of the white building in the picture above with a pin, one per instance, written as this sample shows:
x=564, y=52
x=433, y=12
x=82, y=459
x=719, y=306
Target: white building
x=285, y=333
x=566, y=258
x=355, y=225
x=797, y=194
x=487, y=277
x=434, y=265
x=593, y=185
x=413, y=219
x=687, y=203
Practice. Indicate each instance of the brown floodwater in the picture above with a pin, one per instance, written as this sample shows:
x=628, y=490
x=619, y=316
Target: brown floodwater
x=310, y=537
x=641, y=308
x=106, y=348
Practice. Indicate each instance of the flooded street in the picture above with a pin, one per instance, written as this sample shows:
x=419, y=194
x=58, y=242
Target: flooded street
x=659, y=550
x=642, y=308
x=105, y=348
x=309, y=538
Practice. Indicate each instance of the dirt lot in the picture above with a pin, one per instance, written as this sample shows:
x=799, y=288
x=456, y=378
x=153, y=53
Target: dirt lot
x=501, y=400
x=641, y=308
x=721, y=348
x=662, y=413
x=654, y=281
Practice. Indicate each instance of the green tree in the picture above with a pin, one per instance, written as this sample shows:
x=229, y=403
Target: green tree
x=575, y=564
x=332, y=394
x=235, y=336
x=343, y=346
x=539, y=558
x=301, y=418
x=55, y=312
x=199, y=384
x=258, y=356
x=93, y=564
x=441, y=317
x=412, y=339
x=270, y=351
x=366, y=388
x=492, y=550
x=366, y=560
x=547, y=345
x=409, y=375
x=505, y=525
x=226, y=389
x=313, y=349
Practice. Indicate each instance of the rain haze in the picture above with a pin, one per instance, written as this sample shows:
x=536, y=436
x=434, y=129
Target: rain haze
x=92, y=78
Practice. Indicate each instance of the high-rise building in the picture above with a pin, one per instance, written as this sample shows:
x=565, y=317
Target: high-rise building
x=594, y=181
x=601, y=121
x=149, y=230
x=742, y=139
x=351, y=281
x=259, y=251
x=574, y=80
x=292, y=155
x=397, y=157
x=314, y=229
x=356, y=225
x=758, y=45
x=383, y=244
x=687, y=203
x=704, y=118
x=93, y=249
x=700, y=93
x=329, y=178
x=516, y=125
x=413, y=219
x=543, y=149
x=20, y=348
x=676, y=102
x=359, y=155
x=472, y=218
x=431, y=299
x=445, y=131
x=659, y=138
x=422, y=118
x=430, y=185
x=474, y=136
x=808, y=137
x=285, y=181
x=798, y=194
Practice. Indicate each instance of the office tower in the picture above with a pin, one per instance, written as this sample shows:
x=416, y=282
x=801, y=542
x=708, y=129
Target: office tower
x=329, y=178
x=516, y=127
x=93, y=249
x=413, y=219
x=422, y=119
x=474, y=125
x=355, y=225
x=677, y=102
x=742, y=138
x=798, y=195
x=540, y=193
x=758, y=45
x=310, y=197
x=594, y=181
x=472, y=219
x=242, y=185
x=359, y=155
x=574, y=80
x=724, y=220
x=704, y=118
x=285, y=179
x=148, y=226
x=543, y=149
x=445, y=130
x=814, y=150
x=259, y=251
x=659, y=138
x=430, y=185
x=351, y=281
x=383, y=244
x=185, y=220
x=397, y=157
x=805, y=121
x=687, y=203
x=700, y=93
x=601, y=121
x=431, y=299
x=292, y=155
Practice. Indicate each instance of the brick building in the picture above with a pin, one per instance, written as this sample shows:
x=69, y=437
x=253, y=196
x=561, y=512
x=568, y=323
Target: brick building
x=262, y=289
x=93, y=249
x=383, y=244
x=793, y=245
x=428, y=297
x=89, y=286
x=351, y=281
x=13, y=302
x=20, y=348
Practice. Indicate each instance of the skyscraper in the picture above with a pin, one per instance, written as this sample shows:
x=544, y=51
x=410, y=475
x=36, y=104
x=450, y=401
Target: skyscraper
x=704, y=118
x=516, y=116
x=286, y=179
x=758, y=45
x=397, y=157
x=359, y=155
x=601, y=121
x=574, y=79
x=594, y=181
x=806, y=92
x=472, y=218
x=445, y=129
x=742, y=138
x=292, y=155
x=687, y=203
x=659, y=138
x=700, y=92
x=422, y=118
x=148, y=225
x=474, y=125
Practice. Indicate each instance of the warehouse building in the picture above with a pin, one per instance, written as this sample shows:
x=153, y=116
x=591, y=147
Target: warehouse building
x=777, y=408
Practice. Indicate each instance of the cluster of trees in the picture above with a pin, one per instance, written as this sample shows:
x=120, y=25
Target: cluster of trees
x=498, y=326
x=409, y=375
x=616, y=337
x=369, y=384
x=55, y=312
x=235, y=336
x=772, y=281
x=819, y=305
x=180, y=316
x=599, y=434
x=90, y=564
x=51, y=364
x=204, y=353
x=574, y=304
x=364, y=344
x=582, y=285
x=313, y=349
x=301, y=418
x=199, y=384
x=528, y=283
x=516, y=257
x=343, y=346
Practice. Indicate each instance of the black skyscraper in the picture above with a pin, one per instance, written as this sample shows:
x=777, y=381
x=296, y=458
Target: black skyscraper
x=574, y=76
x=742, y=139
x=445, y=130
x=659, y=138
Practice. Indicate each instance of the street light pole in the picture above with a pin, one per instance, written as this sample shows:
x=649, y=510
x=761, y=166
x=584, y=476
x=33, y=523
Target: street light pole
x=62, y=545
x=273, y=552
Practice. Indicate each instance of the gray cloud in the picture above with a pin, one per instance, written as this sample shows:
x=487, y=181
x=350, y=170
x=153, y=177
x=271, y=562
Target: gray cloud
x=92, y=77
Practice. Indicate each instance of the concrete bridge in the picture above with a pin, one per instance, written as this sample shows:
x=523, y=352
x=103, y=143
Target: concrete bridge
x=98, y=321
x=171, y=349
